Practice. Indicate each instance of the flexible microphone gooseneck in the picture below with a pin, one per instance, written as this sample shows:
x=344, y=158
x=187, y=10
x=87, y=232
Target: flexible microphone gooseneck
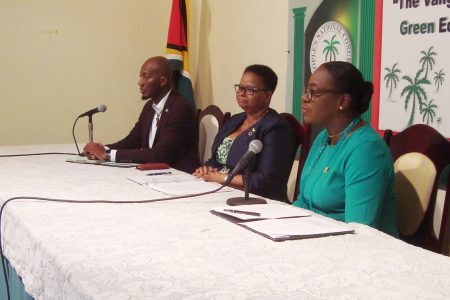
x=254, y=148
x=89, y=113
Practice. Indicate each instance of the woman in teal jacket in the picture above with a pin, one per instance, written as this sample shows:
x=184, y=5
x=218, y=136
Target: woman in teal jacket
x=348, y=174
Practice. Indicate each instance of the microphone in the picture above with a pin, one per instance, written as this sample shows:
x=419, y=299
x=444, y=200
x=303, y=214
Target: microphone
x=254, y=148
x=100, y=108
x=89, y=113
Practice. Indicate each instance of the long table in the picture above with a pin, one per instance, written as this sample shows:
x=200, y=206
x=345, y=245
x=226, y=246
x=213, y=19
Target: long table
x=178, y=249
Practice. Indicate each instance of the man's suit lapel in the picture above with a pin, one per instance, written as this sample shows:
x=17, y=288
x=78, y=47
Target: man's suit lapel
x=147, y=124
x=165, y=115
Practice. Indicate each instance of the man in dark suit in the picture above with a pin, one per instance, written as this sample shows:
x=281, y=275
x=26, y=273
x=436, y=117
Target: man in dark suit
x=166, y=130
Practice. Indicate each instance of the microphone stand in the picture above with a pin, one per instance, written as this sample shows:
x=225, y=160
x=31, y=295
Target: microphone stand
x=91, y=130
x=246, y=200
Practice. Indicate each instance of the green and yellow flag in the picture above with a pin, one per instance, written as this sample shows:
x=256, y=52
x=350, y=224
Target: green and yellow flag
x=177, y=48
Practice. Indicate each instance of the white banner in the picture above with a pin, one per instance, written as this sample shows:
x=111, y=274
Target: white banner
x=415, y=65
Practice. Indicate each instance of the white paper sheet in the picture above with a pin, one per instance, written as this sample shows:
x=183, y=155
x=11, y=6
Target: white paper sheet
x=292, y=228
x=147, y=180
x=186, y=187
x=101, y=163
x=265, y=211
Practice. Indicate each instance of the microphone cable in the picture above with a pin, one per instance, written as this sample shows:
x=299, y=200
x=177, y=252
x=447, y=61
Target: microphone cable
x=52, y=153
x=74, y=139
x=255, y=146
x=100, y=108
x=34, y=154
x=47, y=153
x=3, y=258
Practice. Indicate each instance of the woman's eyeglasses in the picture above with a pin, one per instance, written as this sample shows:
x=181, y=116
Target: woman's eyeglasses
x=311, y=95
x=249, y=90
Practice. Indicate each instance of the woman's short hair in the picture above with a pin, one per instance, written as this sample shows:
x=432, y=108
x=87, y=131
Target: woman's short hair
x=270, y=79
x=348, y=78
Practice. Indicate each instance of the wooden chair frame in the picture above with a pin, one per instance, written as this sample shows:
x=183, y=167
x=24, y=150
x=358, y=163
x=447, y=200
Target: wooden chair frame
x=306, y=146
x=214, y=111
x=426, y=140
x=301, y=137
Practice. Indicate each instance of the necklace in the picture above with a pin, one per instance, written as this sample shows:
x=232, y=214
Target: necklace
x=338, y=134
x=316, y=159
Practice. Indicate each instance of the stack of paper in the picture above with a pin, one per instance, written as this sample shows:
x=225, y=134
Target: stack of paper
x=281, y=222
x=101, y=163
x=297, y=228
x=262, y=211
x=187, y=187
x=147, y=180
x=177, y=184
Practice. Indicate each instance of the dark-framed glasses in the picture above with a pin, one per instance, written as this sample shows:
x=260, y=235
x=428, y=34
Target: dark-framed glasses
x=249, y=90
x=311, y=94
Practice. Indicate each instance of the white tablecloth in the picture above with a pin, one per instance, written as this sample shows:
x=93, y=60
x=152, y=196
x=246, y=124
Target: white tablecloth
x=178, y=249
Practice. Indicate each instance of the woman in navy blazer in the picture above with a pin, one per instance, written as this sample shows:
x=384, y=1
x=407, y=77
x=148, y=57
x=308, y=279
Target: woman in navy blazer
x=270, y=169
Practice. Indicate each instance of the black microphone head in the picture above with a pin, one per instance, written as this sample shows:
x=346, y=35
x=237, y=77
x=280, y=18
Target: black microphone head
x=255, y=146
x=101, y=108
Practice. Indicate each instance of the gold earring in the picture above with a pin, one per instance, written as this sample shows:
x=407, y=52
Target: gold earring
x=341, y=107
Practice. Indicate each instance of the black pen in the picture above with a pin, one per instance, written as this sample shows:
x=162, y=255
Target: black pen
x=160, y=173
x=250, y=213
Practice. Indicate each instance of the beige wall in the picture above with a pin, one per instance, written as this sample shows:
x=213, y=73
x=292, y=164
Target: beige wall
x=61, y=58
x=229, y=35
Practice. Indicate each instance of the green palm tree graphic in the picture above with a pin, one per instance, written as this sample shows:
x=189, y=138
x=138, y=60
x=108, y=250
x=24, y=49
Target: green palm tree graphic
x=428, y=112
x=415, y=90
x=331, y=49
x=439, y=79
x=391, y=78
x=427, y=60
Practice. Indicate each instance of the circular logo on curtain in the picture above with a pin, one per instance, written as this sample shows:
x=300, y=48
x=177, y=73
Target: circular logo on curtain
x=332, y=42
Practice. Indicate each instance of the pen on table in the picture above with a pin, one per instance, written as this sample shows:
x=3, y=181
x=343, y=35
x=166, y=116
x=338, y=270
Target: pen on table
x=159, y=173
x=250, y=213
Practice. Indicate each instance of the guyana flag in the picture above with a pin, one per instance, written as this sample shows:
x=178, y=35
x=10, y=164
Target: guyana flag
x=177, y=48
